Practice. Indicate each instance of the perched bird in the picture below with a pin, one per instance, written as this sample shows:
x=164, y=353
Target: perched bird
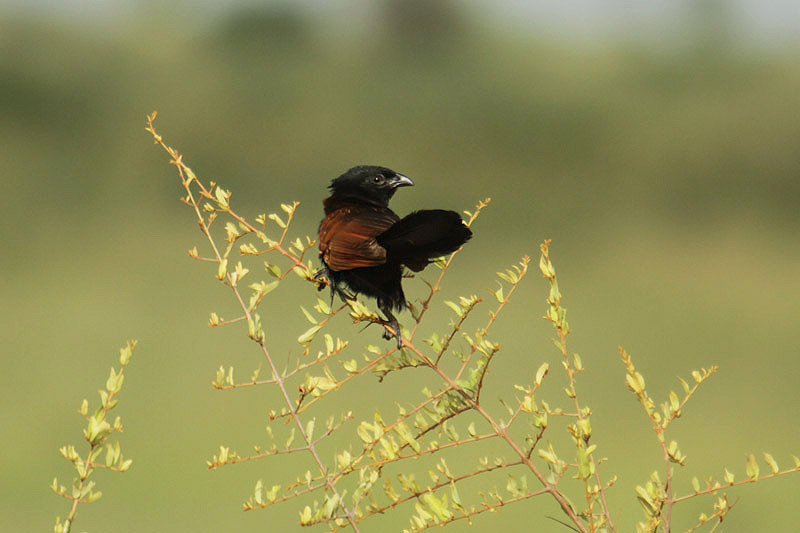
x=363, y=245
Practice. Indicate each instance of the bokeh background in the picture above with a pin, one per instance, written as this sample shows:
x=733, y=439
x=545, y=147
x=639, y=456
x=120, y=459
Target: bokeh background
x=657, y=145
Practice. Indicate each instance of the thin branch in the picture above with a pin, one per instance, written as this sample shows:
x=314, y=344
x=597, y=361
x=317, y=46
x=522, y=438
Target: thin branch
x=485, y=508
x=184, y=171
x=502, y=432
x=437, y=486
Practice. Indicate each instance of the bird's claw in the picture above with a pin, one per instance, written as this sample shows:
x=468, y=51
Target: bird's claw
x=388, y=334
x=319, y=275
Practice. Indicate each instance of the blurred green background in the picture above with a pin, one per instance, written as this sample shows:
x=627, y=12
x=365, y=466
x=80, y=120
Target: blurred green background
x=658, y=148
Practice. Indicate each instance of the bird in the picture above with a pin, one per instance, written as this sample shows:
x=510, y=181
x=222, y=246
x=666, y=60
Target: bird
x=364, y=245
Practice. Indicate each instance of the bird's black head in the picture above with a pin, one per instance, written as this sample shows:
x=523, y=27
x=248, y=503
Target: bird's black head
x=369, y=183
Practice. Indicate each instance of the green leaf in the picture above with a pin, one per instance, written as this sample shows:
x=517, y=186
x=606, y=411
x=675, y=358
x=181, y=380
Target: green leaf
x=309, y=316
x=455, y=307
x=322, y=383
x=222, y=269
x=751, y=467
x=329, y=347
x=544, y=368
x=439, y=507
x=771, y=462
x=97, y=430
x=674, y=402
x=548, y=455
x=330, y=505
x=258, y=493
x=585, y=427
x=635, y=382
x=646, y=501
x=343, y=459
x=309, y=334
x=323, y=306
x=265, y=288
x=389, y=448
x=274, y=270
x=511, y=486
x=499, y=294
x=456, y=497
x=275, y=218
x=114, y=381
x=728, y=477
x=364, y=432
x=585, y=464
x=305, y=516
x=222, y=196
x=405, y=434
x=126, y=353
x=272, y=493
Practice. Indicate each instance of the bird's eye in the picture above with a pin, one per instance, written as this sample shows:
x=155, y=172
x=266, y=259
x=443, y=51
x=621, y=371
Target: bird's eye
x=377, y=179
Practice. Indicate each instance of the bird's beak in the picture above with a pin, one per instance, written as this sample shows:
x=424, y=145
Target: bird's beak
x=401, y=181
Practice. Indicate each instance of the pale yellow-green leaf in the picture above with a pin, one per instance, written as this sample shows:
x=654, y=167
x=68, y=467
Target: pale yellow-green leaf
x=455, y=307
x=751, y=468
x=728, y=477
x=544, y=368
x=308, y=315
x=771, y=463
x=309, y=334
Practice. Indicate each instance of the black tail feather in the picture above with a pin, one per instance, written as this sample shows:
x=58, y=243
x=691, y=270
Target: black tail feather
x=423, y=235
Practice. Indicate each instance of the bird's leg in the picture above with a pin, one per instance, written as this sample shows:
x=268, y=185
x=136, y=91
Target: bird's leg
x=324, y=273
x=319, y=274
x=391, y=322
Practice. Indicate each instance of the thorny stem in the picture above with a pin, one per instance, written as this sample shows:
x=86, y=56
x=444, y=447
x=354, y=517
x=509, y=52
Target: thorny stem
x=279, y=380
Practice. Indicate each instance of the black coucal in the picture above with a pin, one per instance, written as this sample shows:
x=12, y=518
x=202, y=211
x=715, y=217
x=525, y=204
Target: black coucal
x=364, y=245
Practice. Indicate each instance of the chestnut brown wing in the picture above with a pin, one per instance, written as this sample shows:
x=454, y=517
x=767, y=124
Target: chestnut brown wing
x=347, y=237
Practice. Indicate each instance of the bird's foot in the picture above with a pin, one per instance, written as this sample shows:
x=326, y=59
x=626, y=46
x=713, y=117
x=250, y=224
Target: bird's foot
x=319, y=275
x=396, y=329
